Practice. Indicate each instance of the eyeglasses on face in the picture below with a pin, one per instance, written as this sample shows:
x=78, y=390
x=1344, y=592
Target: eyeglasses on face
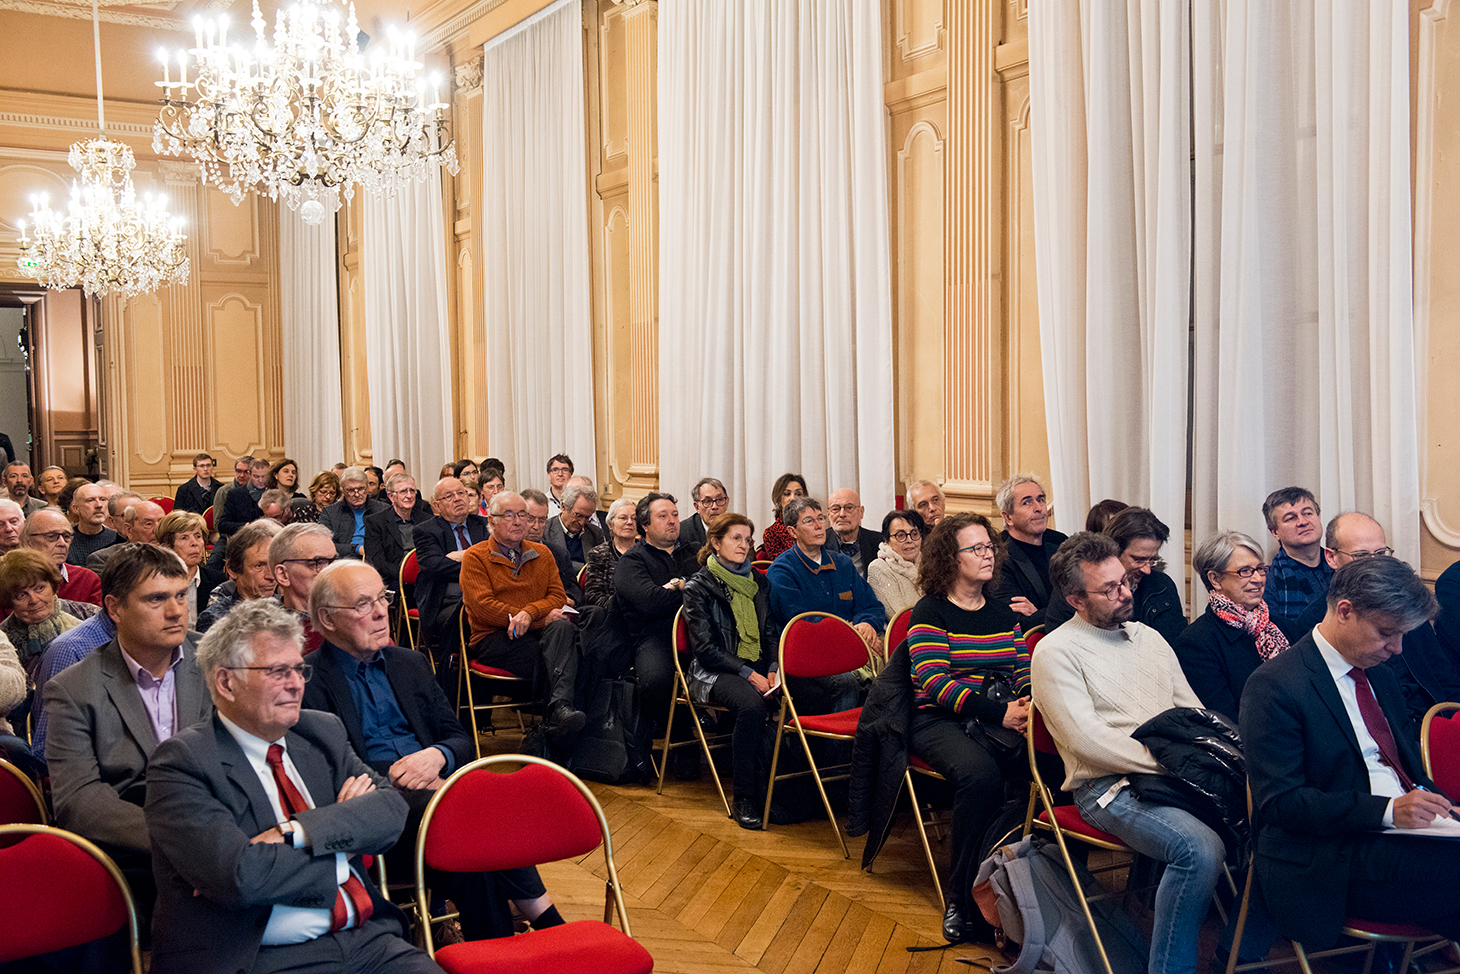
x=317, y=564
x=985, y=550
x=364, y=606
x=515, y=516
x=1111, y=592
x=1139, y=560
x=280, y=672
x=720, y=501
x=1355, y=555
x=903, y=537
x=839, y=508
x=51, y=537
x=1247, y=572
x=812, y=520
x=452, y=495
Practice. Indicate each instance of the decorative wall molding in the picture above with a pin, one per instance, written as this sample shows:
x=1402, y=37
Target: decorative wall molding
x=456, y=24
x=27, y=120
x=173, y=171
x=54, y=9
x=468, y=74
x=906, y=44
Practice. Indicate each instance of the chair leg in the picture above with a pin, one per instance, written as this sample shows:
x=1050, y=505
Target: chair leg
x=1059, y=836
x=825, y=801
x=471, y=707
x=923, y=835
x=694, y=719
x=668, y=730
x=770, y=788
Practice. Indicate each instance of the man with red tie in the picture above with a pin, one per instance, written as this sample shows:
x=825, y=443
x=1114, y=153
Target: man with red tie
x=259, y=818
x=1334, y=761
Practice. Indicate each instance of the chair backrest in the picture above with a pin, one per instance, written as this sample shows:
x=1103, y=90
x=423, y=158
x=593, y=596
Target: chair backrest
x=208, y=519
x=1039, y=735
x=60, y=891
x=1032, y=637
x=897, y=631
x=583, y=576
x=20, y=799
x=163, y=502
x=409, y=568
x=815, y=644
x=1439, y=741
x=761, y=566
x=680, y=635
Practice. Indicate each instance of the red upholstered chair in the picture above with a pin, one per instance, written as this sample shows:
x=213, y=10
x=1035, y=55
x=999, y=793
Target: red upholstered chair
x=679, y=697
x=1439, y=741
x=762, y=566
x=896, y=632
x=410, y=616
x=492, y=679
x=539, y=813
x=582, y=576
x=20, y=800
x=814, y=644
x=208, y=520
x=58, y=890
x=163, y=502
x=916, y=765
x=1033, y=636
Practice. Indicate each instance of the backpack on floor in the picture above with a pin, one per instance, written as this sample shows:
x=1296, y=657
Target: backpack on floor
x=614, y=747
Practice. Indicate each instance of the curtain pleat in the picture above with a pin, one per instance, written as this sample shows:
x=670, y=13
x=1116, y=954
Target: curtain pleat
x=310, y=344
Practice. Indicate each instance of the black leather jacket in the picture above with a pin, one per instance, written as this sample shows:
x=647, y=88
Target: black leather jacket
x=712, y=634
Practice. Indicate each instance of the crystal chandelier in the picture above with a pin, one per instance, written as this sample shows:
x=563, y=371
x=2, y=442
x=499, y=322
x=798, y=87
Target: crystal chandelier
x=307, y=119
x=106, y=240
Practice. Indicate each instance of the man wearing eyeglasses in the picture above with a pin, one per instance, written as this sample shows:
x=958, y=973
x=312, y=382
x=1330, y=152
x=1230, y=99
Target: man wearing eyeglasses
x=296, y=557
x=49, y=532
x=441, y=542
x=390, y=533
x=711, y=499
x=1096, y=679
x=844, y=511
x=346, y=517
x=106, y=715
x=196, y=493
x=575, y=531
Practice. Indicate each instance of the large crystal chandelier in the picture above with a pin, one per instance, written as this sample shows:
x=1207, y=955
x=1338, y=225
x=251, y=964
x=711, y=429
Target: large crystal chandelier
x=106, y=240
x=307, y=119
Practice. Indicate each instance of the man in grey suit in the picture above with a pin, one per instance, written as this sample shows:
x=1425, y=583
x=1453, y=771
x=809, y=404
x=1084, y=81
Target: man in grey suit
x=259, y=818
x=346, y=517
x=575, y=531
x=107, y=714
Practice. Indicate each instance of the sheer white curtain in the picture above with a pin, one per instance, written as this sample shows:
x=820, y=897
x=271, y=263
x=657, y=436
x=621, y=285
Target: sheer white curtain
x=534, y=233
x=1304, y=319
x=309, y=309
x=407, y=351
x=775, y=338
x=1110, y=96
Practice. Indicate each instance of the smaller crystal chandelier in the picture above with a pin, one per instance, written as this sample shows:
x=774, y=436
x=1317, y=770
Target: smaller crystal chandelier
x=106, y=240
x=307, y=119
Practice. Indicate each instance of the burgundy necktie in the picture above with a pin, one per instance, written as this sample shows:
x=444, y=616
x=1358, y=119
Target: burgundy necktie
x=294, y=803
x=1378, y=725
x=461, y=537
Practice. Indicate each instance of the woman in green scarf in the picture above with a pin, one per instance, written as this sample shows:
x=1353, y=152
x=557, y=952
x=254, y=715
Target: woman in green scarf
x=28, y=583
x=727, y=611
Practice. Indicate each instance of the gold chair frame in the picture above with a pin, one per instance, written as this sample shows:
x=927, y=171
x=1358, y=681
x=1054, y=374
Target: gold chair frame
x=679, y=694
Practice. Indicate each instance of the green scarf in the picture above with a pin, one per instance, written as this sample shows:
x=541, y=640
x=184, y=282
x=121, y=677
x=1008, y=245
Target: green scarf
x=742, y=606
x=39, y=636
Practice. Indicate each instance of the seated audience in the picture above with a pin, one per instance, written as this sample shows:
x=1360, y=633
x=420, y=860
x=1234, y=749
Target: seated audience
x=394, y=467
x=778, y=538
x=108, y=713
x=68, y=494
x=374, y=481
x=18, y=483
x=48, y=532
x=52, y=481
x=1096, y=679
x=559, y=469
x=623, y=534
x=242, y=503
x=710, y=499
x=735, y=647
x=183, y=533
x=390, y=534
x=88, y=512
x=284, y=475
x=1102, y=512
x=1350, y=536
x=137, y=523
x=1447, y=622
x=514, y=599
x=1030, y=543
x=970, y=669
x=14, y=685
x=1219, y=651
x=196, y=493
x=648, y=585
x=400, y=722
x=928, y=499
x=490, y=482
x=242, y=469
x=247, y=565
x=893, y=575
x=575, y=531
x=1157, y=601
x=441, y=543
x=1299, y=574
x=235, y=890
x=537, y=520
x=12, y=520
x=1333, y=762
x=297, y=555
x=28, y=584
x=465, y=470
x=324, y=490
x=346, y=517
x=845, y=512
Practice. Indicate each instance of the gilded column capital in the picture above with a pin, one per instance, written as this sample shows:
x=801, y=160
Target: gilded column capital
x=172, y=171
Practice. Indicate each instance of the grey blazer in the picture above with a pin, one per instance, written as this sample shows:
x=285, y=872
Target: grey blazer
x=555, y=537
x=99, y=742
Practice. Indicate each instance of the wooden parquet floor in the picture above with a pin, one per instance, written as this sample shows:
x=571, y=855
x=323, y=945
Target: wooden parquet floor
x=705, y=896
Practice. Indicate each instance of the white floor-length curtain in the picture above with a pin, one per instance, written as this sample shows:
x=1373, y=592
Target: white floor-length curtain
x=407, y=351
x=1109, y=95
x=534, y=233
x=775, y=339
x=1304, y=356
x=309, y=307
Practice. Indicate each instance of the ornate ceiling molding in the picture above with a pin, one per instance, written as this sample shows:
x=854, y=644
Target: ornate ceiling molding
x=451, y=27
x=26, y=120
x=125, y=17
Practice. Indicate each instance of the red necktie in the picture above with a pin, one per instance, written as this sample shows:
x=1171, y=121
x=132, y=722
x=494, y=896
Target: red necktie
x=294, y=803
x=461, y=537
x=1378, y=725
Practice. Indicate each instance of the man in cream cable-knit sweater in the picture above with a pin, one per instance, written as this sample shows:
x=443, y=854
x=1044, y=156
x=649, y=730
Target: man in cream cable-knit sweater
x=1095, y=679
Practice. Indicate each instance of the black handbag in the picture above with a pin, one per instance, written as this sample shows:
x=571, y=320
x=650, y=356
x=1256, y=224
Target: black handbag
x=1004, y=743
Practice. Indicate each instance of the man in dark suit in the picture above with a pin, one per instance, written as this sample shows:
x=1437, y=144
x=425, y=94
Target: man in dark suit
x=575, y=531
x=241, y=503
x=1031, y=543
x=440, y=542
x=196, y=493
x=537, y=522
x=711, y=499
x=346, y=517
x=1333, y=761
x=845, y=512
x=259, y=818
x=390, y=533
x=401, y=724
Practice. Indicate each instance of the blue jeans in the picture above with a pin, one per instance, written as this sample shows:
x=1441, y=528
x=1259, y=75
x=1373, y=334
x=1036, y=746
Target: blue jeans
x=1193, y=855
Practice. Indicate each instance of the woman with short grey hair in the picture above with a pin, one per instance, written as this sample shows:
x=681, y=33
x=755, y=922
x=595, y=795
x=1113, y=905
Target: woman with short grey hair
x=603, y=559
x=1219, y=651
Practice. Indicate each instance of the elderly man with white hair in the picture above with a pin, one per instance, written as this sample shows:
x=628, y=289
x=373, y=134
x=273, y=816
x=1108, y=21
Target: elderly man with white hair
x=12, y=519
x=346, y=517
x=138, y=522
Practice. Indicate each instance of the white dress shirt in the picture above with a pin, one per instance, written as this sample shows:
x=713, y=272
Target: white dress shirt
x=1382, y=779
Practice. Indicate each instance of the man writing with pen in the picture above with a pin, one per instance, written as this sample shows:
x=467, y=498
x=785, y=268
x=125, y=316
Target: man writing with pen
x=1347, y=823
x=514, y=601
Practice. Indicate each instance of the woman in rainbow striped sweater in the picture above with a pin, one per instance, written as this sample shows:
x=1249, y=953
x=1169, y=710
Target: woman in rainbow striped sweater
x=970, y=672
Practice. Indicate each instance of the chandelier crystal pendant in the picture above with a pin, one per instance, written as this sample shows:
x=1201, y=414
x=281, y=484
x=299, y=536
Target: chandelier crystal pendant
x=306, y=119
x=106, y=241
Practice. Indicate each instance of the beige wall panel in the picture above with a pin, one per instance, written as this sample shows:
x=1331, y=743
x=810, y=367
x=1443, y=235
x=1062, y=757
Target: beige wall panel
x=618, y=337
x=232, y=238
x=354, y=379
x=66, y=349
x=1029, y=446
x=914, y=38
x=145, y=377
x=238, y=368
x=613, y=85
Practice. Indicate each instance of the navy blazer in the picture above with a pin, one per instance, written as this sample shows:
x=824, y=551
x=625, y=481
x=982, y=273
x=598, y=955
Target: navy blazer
x=434, y=538
x=383, y=548
x=1310, y=786
x=239, y=508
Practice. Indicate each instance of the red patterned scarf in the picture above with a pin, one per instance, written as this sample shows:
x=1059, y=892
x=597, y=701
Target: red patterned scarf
x=1254, y=621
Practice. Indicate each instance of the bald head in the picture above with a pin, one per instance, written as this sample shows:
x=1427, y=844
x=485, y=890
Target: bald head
x=452, y=499
x=844, y=509
x=48, y=531
x=141, y=521
x=1351, y=536
x=12, y=519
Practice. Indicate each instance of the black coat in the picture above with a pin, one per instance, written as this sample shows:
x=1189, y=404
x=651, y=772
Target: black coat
x=1217, y=659
x=383, y=547
x=1020, y=578
x=434, y=538
x=1202, y=750
x=713, y=636
x=239, y=508
x=339, y=517
x=879, y=754
x=646, y=608
x=193, y=496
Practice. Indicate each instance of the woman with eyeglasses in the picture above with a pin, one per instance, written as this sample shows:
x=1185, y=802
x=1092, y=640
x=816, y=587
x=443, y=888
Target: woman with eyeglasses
x=894, y=573
x=970, y=675
x=1219, y=651
x=1155, y=600
x=623, y=534
x=183, y=533
x=324, y=490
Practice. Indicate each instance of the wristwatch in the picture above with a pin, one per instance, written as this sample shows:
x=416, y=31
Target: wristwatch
x=288, y=830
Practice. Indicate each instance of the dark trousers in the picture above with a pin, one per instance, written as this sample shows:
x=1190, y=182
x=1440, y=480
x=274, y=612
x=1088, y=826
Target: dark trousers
x=655, y=668
x=937, y=737
x=1404, y=879
x=377, y=946
x=751, y=740
x=551, y=651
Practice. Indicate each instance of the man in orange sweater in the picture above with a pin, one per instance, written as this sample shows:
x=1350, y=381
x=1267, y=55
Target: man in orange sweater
x=514, y=601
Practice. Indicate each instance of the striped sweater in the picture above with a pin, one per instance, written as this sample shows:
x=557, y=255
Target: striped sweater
x=953, y=648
